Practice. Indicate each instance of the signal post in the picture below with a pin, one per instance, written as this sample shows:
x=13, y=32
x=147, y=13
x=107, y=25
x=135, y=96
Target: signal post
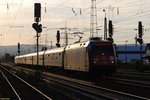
x=37, y=27
x=140, y=33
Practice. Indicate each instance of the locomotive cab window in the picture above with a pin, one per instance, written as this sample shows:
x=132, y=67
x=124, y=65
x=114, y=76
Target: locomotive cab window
x=103, y=48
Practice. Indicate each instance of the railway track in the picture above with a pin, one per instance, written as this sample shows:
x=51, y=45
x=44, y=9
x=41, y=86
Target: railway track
x=134, y=72
x=129, y=86
x=136, y=83
x=90, y=90
x=97, y=90
x=133, y=75
x=20, y=89
x=93, y=91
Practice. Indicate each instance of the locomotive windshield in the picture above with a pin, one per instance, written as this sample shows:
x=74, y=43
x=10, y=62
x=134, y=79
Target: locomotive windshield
x=103, y=48
x=103, y=53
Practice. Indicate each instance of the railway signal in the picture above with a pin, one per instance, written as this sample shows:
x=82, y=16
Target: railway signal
x=110, y=31
x=140, y=40
x=140, y=29
x=37, y=26
x=140, y=33
x=37, y=12
x=18, y=49
x=58, y=38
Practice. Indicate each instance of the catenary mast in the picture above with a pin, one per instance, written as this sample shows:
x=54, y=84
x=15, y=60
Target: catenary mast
x=93, y=21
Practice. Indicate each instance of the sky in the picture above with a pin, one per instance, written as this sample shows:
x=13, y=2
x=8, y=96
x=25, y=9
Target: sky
x=17, y=17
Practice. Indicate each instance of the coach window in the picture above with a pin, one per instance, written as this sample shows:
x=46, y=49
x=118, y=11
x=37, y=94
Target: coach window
x=59, y=54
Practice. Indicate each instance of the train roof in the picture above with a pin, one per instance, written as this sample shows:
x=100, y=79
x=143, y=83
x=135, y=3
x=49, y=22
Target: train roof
x=25, y=55
x=130, y=47
x=60, y=49
x=84, y=44
x=30, y=54
x=78, y=45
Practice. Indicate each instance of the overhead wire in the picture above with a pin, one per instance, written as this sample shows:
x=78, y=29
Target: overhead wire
x=128, y=18
x=84, y=10
x=87, y=11
x=14, y=19
x=89, y=8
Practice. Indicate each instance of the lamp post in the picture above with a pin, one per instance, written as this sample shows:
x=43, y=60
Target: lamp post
x=126, y=59
x=105, y=25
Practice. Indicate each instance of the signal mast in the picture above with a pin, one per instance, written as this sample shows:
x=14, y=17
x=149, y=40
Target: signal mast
x=36, y=26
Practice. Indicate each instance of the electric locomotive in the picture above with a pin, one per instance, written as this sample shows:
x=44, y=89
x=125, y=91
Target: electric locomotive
x=92, y=56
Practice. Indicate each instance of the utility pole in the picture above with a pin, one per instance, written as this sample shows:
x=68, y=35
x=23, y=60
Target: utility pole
x=66, y=34
x=93, y=25
x=105, y=25
x=51, y=45
x=126, y=59
x=66, y=37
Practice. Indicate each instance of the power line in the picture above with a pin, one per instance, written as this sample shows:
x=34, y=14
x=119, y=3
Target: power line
x=15, y=16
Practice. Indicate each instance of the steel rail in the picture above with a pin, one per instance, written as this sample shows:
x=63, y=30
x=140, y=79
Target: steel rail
x=28, y=84
x=109, y=91
x=132, y=82
x=104, y=89
x=11, y=86
x=133, y=72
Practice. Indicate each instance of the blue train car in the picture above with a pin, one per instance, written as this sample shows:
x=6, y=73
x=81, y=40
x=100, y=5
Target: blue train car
x=130, y=53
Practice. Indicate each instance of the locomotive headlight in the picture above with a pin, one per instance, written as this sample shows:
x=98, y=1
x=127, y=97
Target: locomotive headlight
x=112, y=62
x=94, y=62
x=111, y=58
